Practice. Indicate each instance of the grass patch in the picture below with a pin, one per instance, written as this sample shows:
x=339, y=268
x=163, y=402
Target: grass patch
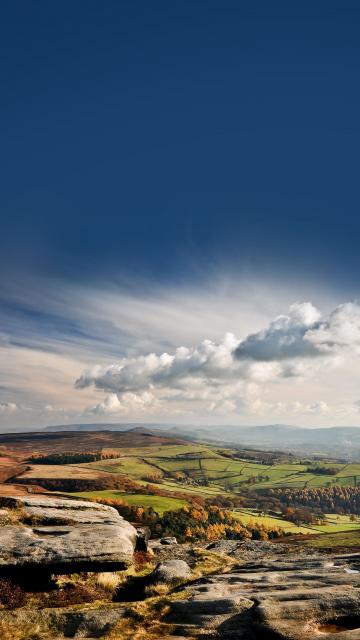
x=158, y=503
x=247, y=515
x=330, y=541
x=208, y=563
x=334, y=523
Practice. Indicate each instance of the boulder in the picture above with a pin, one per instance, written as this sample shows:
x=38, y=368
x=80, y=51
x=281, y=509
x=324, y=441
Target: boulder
x=96, y=538
x=171, y=571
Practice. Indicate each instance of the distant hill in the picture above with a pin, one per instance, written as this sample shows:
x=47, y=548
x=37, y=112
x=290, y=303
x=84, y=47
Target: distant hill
x=65, y=440
x=331, y=441
x=95, y=426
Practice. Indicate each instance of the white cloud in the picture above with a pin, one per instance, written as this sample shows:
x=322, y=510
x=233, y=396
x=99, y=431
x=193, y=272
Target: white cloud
x=285, y=337
x=340, y=330
x=283, y=350
x=302, y=334
x=232, y=375
x=130, y=402
x=8, y=408
x=110, y=404
x=208, y=360
x=124, y=342
x=263, y=408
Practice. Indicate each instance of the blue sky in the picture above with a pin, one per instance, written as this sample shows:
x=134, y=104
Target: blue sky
x=156, y=154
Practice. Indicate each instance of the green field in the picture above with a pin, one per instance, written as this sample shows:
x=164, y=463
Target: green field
x=204, y=470
x=198, y=463
x=134, y=467
x=188, y=489
x=158, y=503
x=334, y=522
x=334, y=541
x=247, y=515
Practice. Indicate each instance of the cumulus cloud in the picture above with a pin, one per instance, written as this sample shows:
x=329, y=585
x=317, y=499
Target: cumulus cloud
x=228, y=376
x=8, y=408
x=111, y=404
x=340, y=330
x=273, y=363
x=281, y=350
x=303, y=334
x=130, y=402
x=286, y=336
x=209, y=360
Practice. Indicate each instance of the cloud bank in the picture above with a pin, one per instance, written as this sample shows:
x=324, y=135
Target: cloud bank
x=230, y=375
x=216, y=351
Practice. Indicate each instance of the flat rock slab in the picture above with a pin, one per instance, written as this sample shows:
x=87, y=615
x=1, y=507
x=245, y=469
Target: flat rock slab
x=62, y=511
x=287, y=598
x=97, y=538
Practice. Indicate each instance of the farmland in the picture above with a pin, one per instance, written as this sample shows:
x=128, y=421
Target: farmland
x=337, y=540
x=200, y=464
x=196, y=469
x=164, y=474
x=333, y=522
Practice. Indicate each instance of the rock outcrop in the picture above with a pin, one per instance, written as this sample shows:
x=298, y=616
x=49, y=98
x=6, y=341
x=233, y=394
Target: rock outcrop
x=53, y=511
x=64, y=536
x=285, y=597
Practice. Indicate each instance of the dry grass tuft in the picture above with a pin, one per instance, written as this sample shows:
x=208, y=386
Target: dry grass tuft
x=108, y=581
x=157, y=590
x=208, y=562
x=144, y=622
x=13, y=516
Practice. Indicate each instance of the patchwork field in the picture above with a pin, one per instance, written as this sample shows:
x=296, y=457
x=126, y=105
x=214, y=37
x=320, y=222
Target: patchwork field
x=334, y=522
x=174, y=469
x=195, y=468
x=204, y=464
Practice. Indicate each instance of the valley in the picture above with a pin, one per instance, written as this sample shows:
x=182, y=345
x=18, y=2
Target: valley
x=139, y=535
x=163, y=473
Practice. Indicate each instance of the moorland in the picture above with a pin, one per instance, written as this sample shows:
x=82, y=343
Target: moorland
x=160, y=473
x=141, y=534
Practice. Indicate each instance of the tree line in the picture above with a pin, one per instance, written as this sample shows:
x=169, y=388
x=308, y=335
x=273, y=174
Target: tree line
x=194, y=522
x=334, y=499
x=69, y=457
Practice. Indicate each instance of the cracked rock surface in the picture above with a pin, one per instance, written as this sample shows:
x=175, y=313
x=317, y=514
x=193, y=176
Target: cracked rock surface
x=284, y=597
x=65, y=536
